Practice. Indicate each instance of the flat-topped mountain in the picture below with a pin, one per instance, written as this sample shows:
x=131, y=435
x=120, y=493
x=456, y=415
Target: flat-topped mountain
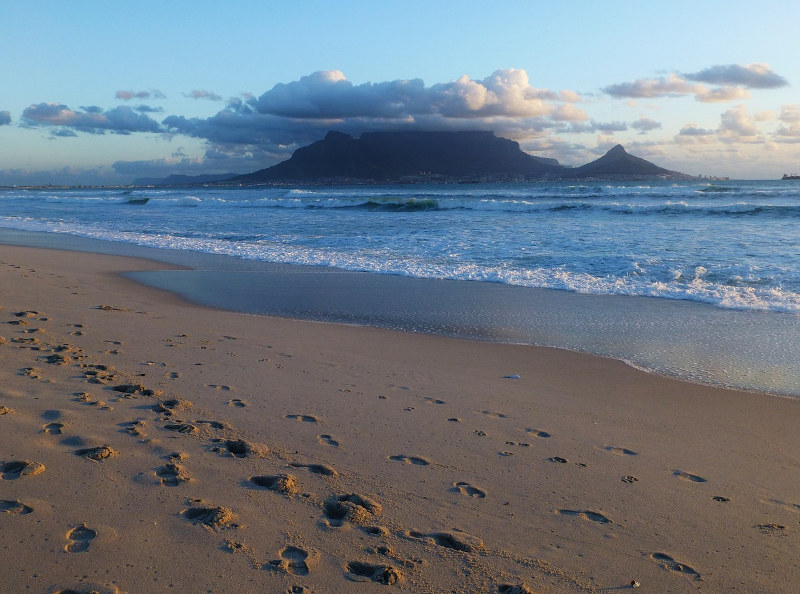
x=393, y=155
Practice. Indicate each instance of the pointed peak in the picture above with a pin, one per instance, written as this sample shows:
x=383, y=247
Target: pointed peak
x=617, y=150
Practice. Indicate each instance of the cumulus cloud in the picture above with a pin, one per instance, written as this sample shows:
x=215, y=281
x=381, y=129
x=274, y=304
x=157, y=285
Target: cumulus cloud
x=644, y=125
x=722, y=94
x=692, y=134
x=647, y=88
x=296, y=113
x=790, y=116
x=752, y=76
x=329, y=95
x=695, y=130
x=569, y=113
x=91, y=119
x=607, y=127
x=5, y=118
x=736, y=125
x=202, y=94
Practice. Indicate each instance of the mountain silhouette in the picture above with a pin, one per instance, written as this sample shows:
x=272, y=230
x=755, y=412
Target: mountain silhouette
x=618, y=162
x=393, y=155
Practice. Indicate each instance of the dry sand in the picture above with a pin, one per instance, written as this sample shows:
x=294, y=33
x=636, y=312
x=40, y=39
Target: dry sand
x=150, y=445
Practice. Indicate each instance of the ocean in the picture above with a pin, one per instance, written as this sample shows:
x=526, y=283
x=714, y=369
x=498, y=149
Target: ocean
x=700, y=280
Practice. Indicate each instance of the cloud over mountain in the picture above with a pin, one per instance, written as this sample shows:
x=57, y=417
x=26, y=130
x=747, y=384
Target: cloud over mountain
x=5, y=118
x=299, y=111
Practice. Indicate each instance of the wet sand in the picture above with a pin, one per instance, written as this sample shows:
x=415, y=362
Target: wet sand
x=148, y=444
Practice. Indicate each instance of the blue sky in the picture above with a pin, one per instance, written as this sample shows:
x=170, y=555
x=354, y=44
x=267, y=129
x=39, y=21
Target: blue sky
x=107, y=92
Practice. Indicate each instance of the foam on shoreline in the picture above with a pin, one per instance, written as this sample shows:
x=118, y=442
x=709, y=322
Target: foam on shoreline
x=747, y=350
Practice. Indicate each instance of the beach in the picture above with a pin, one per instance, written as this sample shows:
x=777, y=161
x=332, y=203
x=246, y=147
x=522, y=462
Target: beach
x=148, y=444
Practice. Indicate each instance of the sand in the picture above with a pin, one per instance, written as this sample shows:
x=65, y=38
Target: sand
x=151, y=445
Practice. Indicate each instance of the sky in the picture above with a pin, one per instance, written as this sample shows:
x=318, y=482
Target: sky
x=104, y=93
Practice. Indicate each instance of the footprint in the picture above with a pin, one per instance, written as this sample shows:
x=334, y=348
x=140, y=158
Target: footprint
x=304, y=418
x=519, y=588
x=211, y=517
x=328, y=440
x=4, y=410
x=218, y=387
x=688, y=476
x=172, y=474
x=352, y=507
x=538, y=433
x=240, y=448
x=410, y=460
x=629, y=479
x=10, y=471
x=558, y=459
x=366, y=572
x=586, y=515
x=135, y=428
x=457, y=541
x=97, y=454
x=181, y=427
x=282, y=483
x=670, y=564
x=213, y=424
x=237, y=402
x=771, y=529
x=79, y=539
x=171, y=406
x=495, y=415
x=296, y=561
x=322, y=469
x=433, y=400
x=469, y=490
x=14, y=507
x=379, y=531
x=518, y=444
x=620, y=451
x=53, y=428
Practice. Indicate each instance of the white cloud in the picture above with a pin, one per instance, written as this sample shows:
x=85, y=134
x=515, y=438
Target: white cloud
x=752, y=76
x=569, y=113
x=732, y=83
x=644, y=125
x=736, y=125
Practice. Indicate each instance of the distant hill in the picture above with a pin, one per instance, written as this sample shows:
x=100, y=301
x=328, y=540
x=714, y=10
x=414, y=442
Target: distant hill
x=619, y=163
x=182, y=180
x=385, y=156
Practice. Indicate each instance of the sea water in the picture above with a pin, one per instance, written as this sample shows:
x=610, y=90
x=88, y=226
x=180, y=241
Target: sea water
x=720, y=261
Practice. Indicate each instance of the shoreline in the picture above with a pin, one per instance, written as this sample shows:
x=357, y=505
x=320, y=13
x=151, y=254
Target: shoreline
x=427, y=463
x=751, y=351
